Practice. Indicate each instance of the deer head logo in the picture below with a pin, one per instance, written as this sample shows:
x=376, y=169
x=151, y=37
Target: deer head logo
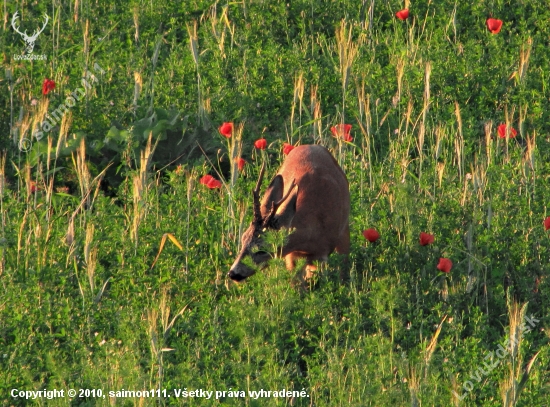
x=29, y=40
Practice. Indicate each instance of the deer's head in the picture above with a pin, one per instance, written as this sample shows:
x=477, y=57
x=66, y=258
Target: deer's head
x=252, y=240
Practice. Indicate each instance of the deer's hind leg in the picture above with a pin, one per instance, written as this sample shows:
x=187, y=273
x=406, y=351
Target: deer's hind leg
x=343, y=244
x=343, y=248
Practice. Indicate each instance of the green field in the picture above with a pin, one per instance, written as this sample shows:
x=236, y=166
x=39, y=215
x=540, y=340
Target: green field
x=114, y=255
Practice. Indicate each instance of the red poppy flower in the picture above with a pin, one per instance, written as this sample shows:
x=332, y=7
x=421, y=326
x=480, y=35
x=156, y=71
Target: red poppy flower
x=226, y=129
x=214, y=184
x=33, y=187
x=502, y=131
x=402, y=14
x=547, y=223
x=494, y=25
x=210, y=182
x=47, y=86
x=342, y=130
x=240, y=163
x=445, y=265
x=371, y=235
x=426, y=239
x=287, y=148
x=260, y=144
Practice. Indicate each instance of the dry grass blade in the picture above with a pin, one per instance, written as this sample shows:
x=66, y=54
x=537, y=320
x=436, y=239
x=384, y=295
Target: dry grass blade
x=138, y=84
x=347, y=49
x=174, y=240
x=152, y=316
x=414, y=385
x=530, y=151
x=236, y=146
x=400, y=68
x=141, y=187
x=426, y=107
x=100, y=293
x=524, y=56
x=508, y=119
x=459, y=142
x=90, y=229
x=171, y=324
x=347, y=52
x=194, y=43
x=440, y=171
x=433, y=343
x=163, y=242
x=20, y=235
x=69, y=236
x=315, y=107
x=136, y=23
x=86, y=39
x=525, y=376
x=297, y=100
x=82, y=171
x=90, y=268
x=510, y=386
x=439, y=137
x=516, y=314
x=95, y=181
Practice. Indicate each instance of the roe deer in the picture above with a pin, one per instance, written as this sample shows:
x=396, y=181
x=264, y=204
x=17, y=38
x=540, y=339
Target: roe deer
x=309, y=194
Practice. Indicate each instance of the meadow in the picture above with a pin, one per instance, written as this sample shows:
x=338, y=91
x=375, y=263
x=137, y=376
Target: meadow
x=115, y=248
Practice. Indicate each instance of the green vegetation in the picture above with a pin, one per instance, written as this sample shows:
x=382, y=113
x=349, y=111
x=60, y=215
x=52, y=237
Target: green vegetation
x=96, y=295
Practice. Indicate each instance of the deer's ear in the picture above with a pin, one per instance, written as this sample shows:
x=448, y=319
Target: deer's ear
x=286, y=211
x=273, y=194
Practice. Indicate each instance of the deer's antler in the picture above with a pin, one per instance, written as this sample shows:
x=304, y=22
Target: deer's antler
x=256, y=194
x=38, y=31
x=24, y=34
x=13, y=20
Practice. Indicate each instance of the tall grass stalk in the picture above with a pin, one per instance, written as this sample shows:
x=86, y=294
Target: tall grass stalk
x=488, y=128
x=316, y=113
x=76, y=6
x=138, y=84
x=524, y=55
x=141, y=185
x=529, y=161
x=235, y=147
x=82, y=172
x=413, y=381
x=438, y=166
x=2, y=213
x=90, y=255
x=365, y=125
x=422, y=129
x=135, y=15
x=157, y=370
x=154, y=60
x=508, y=120
x=297, y=100
x=347, y=50
x=219, y=26
x=400, y=71
x=86, y=56
x=189, y=195
x=194, y=46
x=459, y=143
x=510, y=385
